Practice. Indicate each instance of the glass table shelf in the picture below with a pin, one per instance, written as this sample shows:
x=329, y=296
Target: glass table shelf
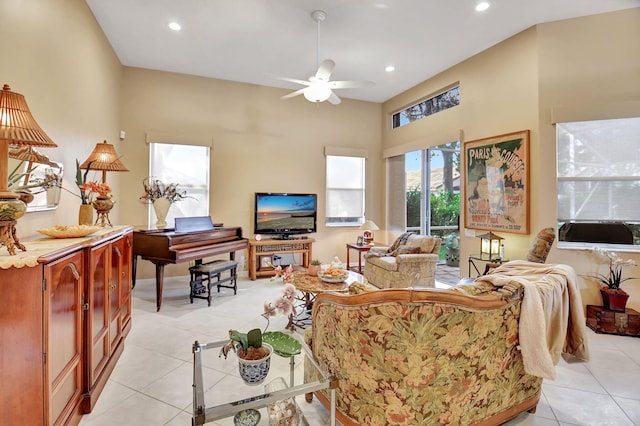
x=211, y=371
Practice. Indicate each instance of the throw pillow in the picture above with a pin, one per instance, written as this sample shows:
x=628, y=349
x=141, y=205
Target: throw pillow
x=402, y=239
x=541, y=246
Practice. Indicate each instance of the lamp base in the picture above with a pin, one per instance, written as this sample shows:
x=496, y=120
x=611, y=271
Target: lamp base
x=9, y=238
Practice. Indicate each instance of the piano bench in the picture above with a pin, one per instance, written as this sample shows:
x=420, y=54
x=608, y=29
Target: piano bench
x=205, y=273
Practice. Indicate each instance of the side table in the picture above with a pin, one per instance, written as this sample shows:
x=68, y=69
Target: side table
x=360, y=249
x=476, y=260
x=603, y=320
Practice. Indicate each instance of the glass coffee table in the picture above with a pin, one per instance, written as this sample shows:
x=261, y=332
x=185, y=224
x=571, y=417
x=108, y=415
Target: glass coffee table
x=219, y=392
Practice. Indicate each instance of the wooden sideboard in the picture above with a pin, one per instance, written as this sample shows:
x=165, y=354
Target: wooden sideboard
x=65, y=312
x=262, y=250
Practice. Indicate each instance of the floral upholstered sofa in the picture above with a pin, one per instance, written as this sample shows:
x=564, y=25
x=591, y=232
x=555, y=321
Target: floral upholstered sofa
x=423, y=356
x=409, y=262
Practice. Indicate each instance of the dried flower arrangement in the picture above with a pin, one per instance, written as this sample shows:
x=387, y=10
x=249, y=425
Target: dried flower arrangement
x=155, y=189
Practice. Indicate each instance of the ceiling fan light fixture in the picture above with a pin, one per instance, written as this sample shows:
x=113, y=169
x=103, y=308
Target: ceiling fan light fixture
x=317, y=93
x=482, y=5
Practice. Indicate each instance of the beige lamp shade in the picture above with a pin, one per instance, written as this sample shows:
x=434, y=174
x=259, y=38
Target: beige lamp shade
x=104, y=158
x=368, y=226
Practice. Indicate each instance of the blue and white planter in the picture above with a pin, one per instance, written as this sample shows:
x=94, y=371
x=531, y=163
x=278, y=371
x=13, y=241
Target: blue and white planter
x=253, y=372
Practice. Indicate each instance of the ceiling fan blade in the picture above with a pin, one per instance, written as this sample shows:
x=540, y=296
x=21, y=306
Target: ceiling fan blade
x=293, y=94
x=292, y=80
x=325, y=69
x=350, y=84
x=334, y=99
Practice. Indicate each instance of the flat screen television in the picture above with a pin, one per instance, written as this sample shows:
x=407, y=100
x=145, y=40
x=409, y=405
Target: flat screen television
x=282, y=215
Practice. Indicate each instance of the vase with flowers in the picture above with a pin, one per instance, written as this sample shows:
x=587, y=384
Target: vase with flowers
x=613, y=297
x=255, y=347
x=161, y=196
x=85, y=215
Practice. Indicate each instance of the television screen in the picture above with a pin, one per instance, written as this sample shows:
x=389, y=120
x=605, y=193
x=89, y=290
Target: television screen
x=285, y=214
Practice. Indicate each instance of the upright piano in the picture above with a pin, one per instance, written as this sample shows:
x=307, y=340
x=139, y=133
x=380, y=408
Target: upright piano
x=193, y=238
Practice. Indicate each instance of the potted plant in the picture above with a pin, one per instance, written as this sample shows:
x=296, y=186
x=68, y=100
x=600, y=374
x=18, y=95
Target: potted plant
x=254, y=353
x=314, y=268
x=613, y=297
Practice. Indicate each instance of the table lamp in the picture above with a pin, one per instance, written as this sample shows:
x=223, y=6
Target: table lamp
x=490, y=245
x=368, y=226
x=17, y=127
x=104, y=157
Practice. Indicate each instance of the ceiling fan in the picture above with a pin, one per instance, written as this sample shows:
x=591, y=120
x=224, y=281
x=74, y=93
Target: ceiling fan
x=319, y=87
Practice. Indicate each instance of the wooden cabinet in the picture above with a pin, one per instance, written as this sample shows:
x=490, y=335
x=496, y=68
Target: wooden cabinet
x=109, y=310
x=66, y=308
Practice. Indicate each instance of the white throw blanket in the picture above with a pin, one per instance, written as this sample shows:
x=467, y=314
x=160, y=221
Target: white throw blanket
x=552, y=321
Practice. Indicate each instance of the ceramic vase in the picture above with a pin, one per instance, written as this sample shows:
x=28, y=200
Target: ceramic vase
x=614, y=300
x=85, y=215
x=253, y=372
x=161, y=207
x=12, y=209
x=103, y=206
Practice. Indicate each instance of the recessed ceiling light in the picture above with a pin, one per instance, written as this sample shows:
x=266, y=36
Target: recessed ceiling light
x=175, y=26
x=390, y=68
x=482, y=6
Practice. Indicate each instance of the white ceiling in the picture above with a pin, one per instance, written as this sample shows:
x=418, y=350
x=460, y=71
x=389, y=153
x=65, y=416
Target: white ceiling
x=251, y=40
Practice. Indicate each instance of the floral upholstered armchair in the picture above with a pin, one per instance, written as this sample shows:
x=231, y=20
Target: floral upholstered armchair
x=423, y=357
x=409, y=262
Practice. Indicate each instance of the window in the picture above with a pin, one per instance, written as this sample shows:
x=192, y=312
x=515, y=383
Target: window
x=598, y=181
x=188, y=166
x=435, y=211
x=345, y=191
x=446, y=100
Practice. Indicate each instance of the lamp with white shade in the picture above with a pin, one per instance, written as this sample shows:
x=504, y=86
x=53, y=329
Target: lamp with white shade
x=368, y=227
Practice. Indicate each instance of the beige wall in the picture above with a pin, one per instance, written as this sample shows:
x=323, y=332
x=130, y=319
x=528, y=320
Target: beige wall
x=260, y=143
x=60, y=60
x=55, y=54
x=589, y=69
x=575, y=65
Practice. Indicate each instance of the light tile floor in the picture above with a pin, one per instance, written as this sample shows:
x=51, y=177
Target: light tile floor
x=152, y=382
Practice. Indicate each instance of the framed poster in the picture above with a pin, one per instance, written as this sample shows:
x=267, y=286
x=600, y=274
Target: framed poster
x=497, y=183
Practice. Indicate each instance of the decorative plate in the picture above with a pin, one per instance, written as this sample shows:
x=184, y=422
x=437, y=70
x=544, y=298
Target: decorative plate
x=248, y=417
x=333, y=278
x=283, y=344
x=70, y=231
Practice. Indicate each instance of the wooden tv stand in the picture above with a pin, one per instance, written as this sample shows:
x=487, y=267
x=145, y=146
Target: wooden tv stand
x=258, y=250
